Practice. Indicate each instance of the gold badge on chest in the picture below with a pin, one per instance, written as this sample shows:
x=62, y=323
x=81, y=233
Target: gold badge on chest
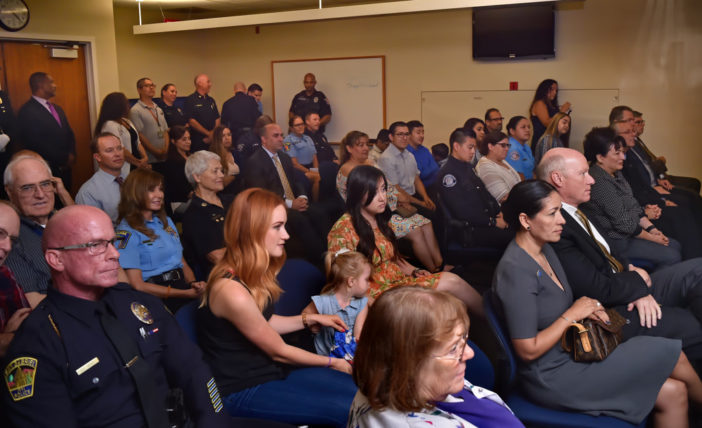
x=142, y=313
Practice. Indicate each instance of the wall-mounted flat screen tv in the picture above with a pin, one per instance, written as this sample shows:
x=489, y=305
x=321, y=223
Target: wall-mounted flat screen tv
x=509, y=32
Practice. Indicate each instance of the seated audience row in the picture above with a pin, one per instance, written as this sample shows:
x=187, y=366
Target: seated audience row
x=539, y=305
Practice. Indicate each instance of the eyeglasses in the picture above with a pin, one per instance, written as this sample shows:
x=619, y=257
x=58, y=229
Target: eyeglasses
x=496, y=118
x=29, y=189
x=625, y=120
x=457, y=350
x=95, y=248
x=4, y=235
x=503, y=145
x=298, y=124
x=402, y=134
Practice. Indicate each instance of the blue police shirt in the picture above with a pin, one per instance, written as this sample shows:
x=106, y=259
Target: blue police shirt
x=153, y=257
x=301, y=148
x=520, y=157
x=428, y=169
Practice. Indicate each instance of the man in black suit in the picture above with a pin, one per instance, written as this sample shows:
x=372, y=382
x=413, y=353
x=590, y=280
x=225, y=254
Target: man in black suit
x=269, y=167
x=44, y=128
x=680, y=209
x=596, y=270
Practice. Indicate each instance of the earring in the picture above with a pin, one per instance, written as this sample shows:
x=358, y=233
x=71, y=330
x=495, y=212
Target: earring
x=528, y=227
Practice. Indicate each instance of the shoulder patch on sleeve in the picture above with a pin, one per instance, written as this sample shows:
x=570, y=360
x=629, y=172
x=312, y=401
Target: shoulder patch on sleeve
x=449, y=180
x=514, y=155
x=19, y=377
x=121, y=239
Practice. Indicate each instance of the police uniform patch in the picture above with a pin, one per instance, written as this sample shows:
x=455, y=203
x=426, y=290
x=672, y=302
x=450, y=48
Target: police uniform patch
x=449, y=180
x=316, y=100
x=122, y=237
x=142, y=313
x=19, y=377
x=171, y=231
x=515, y=156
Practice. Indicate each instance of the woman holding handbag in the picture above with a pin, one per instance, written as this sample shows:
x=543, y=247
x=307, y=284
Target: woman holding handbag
x=641, y=375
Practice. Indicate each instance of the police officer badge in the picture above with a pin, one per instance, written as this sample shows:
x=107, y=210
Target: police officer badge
x=142, y=313
x=19, y=377
x=449, y=180
x=316, y=100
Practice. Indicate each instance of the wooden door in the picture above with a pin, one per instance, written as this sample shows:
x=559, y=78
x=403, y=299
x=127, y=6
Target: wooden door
x=20, y=60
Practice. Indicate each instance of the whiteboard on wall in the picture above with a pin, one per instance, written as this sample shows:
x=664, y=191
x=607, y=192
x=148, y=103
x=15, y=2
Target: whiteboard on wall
x=355, y=88
x=444, y=111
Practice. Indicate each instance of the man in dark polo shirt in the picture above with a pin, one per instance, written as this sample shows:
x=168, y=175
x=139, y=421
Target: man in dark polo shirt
x=201, y=111
x=311, y=101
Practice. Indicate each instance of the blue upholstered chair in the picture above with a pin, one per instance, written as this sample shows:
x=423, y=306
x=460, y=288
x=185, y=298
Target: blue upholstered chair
x=300, y=280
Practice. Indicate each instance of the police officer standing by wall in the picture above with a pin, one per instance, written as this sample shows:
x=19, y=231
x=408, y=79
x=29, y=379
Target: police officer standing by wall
x=95, y=352
x=311, y=101
x=202, y=113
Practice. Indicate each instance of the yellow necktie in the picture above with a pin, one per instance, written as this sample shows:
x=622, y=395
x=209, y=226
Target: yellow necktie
x=283, y=178
x=612, y=261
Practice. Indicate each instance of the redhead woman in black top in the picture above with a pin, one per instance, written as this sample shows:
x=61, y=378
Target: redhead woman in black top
x=258, y=373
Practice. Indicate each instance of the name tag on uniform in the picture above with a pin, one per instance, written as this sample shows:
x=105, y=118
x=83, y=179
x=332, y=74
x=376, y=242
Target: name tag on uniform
x=87, y=366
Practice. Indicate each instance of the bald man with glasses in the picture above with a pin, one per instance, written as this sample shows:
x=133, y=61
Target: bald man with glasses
x=97, y=352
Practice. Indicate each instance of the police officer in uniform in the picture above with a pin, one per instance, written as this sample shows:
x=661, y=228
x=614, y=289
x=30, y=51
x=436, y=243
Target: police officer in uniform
x=465, y=197
x=239, y=113
x=202, y=113
x=311, y=101
x=95, y=352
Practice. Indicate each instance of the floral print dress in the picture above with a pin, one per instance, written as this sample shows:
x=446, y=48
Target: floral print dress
x=386, y=272
x=400, y=226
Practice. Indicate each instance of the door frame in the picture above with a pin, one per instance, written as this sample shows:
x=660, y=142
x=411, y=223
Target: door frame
x=90, y=61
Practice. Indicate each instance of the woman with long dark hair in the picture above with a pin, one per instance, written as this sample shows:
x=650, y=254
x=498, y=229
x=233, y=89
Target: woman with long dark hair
x=478, y=127
x=416, y=228
x=222, y=145
x=150, y=251
x=365, y=228
x=544, y=106
x=114, y=118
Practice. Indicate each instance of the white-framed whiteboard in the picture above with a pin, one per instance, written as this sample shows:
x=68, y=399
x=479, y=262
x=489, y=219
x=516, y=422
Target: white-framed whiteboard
x=355, y=87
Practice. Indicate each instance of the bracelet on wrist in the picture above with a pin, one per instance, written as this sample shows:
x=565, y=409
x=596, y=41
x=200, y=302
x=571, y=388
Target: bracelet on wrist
x=168, y=291
x=650, y=228
x=304, y=320
x=329, y=363
x=571, y=322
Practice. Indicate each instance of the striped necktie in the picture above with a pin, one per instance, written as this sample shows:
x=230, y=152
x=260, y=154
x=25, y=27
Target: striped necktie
x=283, y=178
x=616, y=266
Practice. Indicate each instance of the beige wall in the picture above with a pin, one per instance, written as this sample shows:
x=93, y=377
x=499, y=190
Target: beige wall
x=71, y=19
x=649, y=49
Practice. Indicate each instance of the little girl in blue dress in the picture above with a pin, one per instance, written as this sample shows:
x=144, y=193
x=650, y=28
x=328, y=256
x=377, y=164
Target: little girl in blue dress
x=348, y=274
